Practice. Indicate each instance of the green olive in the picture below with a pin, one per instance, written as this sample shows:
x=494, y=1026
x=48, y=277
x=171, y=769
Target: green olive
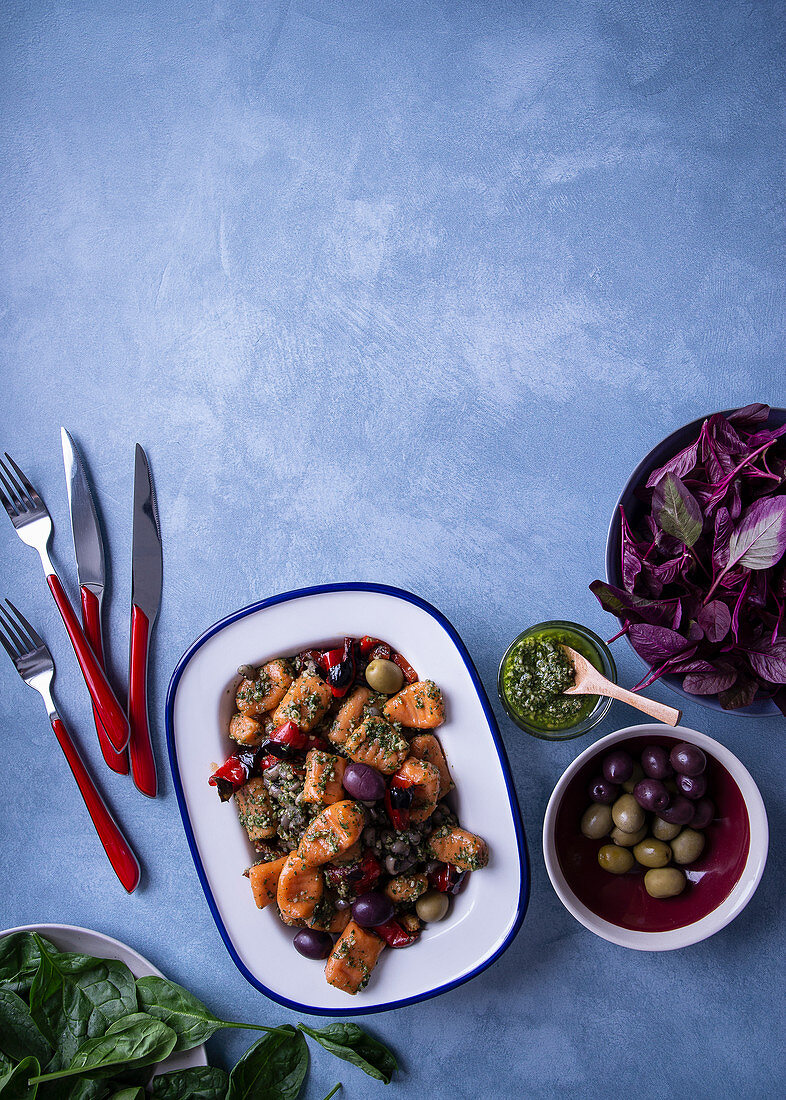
x=627, y=814
x=629, y=784
x=664, y=830
x=652, y=853
x=627, y=840
x=615, y=859
x=384, y=676
x=431, y=906
x=688, y=846
x=596, y=821
x=664, y=882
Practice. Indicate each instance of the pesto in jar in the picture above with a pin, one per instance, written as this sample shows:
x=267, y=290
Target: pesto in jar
x=537, y=672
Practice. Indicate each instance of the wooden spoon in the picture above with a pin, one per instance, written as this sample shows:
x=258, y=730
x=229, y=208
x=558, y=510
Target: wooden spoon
x=591, y=682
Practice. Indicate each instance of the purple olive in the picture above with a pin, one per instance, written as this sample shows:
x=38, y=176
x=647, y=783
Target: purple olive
x=313, y=944
x=692, y=786
x=680, y=812
x=703, y=813
x=363, y=782
x=602, y=791
x=618, y=766
x=687, y=759
x=655, y=762
x=371, y=909
x=652, y=795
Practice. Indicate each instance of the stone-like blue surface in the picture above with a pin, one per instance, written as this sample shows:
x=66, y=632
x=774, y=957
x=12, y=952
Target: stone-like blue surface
x=392, y=291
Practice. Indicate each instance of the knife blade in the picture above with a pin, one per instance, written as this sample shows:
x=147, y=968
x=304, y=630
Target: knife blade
x=91, y=572
x=146, y=581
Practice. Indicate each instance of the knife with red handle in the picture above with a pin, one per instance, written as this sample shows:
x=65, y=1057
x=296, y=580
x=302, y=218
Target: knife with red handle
x=146, y=578
x=89, y=550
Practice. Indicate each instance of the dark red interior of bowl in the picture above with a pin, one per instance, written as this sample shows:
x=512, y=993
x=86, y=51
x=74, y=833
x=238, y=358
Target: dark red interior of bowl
x=622, y=899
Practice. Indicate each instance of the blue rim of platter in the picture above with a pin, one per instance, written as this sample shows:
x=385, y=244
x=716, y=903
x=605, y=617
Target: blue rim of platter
x=524, y=887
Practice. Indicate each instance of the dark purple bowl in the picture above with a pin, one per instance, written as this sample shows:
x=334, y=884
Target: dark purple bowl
x=634, y=510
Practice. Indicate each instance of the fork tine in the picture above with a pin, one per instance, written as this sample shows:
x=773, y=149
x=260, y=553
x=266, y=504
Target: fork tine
x=33, y=494
x=12, y=632
x=9, y=507
x=18, y=498
x=35, y=639
x=7, y=645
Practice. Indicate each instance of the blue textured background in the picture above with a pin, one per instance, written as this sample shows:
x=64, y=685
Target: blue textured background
x=391, y=291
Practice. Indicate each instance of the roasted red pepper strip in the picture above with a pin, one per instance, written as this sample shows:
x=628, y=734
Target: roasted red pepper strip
x=289, y=733
x=371, y=870
x=320, y=743
x=409, y=673
x=398, y=802
x=339, y=664
x=232, y=774
x=394, y=935
x=380, y=652
x=367, y=643
x=447, y=878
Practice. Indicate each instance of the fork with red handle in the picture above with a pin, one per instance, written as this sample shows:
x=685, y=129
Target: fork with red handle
x=34, y=663
x=33, y=524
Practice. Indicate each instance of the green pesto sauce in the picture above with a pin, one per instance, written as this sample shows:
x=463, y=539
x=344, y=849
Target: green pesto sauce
x=536, y=673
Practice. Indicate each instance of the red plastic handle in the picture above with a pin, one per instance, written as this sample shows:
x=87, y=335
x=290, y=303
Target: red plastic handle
x=113, y=719
x=121, y=856
x=140, y=748
x=91, y=621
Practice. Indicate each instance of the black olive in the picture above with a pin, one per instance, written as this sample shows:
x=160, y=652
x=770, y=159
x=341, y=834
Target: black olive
x=341, y=675
x=400, y=797
x=275, y=748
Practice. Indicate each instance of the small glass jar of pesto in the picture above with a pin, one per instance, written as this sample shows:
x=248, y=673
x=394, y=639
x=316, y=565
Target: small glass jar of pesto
x=535, y=671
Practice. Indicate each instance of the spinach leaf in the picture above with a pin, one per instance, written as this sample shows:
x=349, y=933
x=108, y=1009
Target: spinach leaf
x=5, y=1064
x=77, y=997
x=136, y=1093
x=334, y=1090
x=19, y=1035
x=136, y=1040
x=200, y=1083
x=353, y=1044
x=273, y=1068
x=15, y=1083
x=182, y=1011
x=19, y=958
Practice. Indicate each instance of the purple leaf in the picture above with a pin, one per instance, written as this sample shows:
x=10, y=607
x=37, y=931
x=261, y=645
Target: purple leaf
x=715, y=620
x=750, y=415
x=769, y=663
x=656, y=643
x=708, y=683
x=718, y=428
x=760, y=539
x=624, y=604
x=720, y=545
x=676, y=510
x=740, y=694
x=735, y=619
x=680, y=465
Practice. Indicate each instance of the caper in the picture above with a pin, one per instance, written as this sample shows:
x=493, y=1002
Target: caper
x=652, y=853
x=637, y=774
x=615, y=859
x=627, y=814
x=664, y=830
x=384, y=676
x=248, y=672
x=664, y=882
x=596, y=821
x=688, y=846
x=627, y=840
x=431, y=906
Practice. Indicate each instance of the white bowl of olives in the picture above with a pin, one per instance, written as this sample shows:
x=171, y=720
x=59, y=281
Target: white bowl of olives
x=655, y=840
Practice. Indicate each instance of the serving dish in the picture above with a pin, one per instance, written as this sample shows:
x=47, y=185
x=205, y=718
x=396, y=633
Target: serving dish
x=721, y=882
x=488, y=912
x=634, y=510
x=85, y=941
